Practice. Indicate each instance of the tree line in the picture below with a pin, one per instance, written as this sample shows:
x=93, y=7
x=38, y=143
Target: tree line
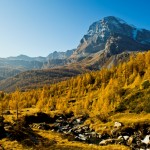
x=92, y=93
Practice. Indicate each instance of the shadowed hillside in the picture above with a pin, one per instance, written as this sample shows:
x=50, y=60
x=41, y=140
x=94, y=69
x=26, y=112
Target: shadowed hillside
x=37, y=78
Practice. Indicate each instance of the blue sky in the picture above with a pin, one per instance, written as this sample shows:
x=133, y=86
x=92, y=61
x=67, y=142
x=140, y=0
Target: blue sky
x=39, y=27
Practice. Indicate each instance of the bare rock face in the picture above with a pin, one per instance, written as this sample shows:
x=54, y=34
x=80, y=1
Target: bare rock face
x=111, y=36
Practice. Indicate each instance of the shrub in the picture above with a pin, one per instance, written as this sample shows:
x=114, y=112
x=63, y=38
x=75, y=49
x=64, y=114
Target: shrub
x=145, y=84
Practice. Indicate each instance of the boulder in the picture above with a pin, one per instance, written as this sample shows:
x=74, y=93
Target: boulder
x=107, y=141
x=118, y=124
x=126, y=137
x=130, y=141
x=146, y=140
x=123, y=139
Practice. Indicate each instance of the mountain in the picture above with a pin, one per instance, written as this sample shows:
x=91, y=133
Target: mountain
x=12, y=66
x=27, y=58
x=58, y=59
x=9, y=68
x=108, y=42
x=6, y=72
x=105, y=39
x=51, y=56
x=108, y=37
x=60, y=55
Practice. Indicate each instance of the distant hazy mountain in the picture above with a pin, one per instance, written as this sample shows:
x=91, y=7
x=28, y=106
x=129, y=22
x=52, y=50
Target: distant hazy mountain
x=58, y=58
x=27, y=58
x=60, y=55
x=11, y=66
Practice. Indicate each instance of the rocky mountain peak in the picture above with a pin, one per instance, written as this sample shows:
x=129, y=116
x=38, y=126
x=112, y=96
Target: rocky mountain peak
x=107, y=23
x=112, y=35
x=111, y=25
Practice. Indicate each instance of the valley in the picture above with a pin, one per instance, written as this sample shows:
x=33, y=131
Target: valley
x=94, y=97
x=78, y=109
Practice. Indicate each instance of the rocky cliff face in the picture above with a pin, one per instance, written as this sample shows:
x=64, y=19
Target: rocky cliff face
x=111, y=36
x=57, y=59
x=60, y=55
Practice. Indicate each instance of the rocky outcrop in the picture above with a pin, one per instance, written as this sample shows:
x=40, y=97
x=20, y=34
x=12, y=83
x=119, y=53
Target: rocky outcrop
x=60, y=55
x=73, y=128
x=136, y=136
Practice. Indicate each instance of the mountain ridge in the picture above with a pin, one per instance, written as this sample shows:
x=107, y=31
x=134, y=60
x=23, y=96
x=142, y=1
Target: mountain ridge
x=105, y=35
x=105, y=38
x=9, y=65
x=53, y=55
x=108, y=42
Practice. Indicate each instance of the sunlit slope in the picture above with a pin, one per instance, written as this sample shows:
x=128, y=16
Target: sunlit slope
x=122, y=88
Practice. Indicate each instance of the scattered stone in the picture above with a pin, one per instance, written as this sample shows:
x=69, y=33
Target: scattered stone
x=117, y=124
x=7, y=128
x=124, y=137
x=136, y=137
x=107, y=141
x=130, y=141
x=146, y=140
x=7, y=112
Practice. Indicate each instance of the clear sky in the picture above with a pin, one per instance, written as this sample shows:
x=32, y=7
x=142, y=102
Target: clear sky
x=39, y=27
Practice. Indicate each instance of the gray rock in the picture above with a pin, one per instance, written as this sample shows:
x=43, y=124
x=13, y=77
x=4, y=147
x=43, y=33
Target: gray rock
x=107, y=141
x=110, y=36
x=117, y=124
x=146, y=140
